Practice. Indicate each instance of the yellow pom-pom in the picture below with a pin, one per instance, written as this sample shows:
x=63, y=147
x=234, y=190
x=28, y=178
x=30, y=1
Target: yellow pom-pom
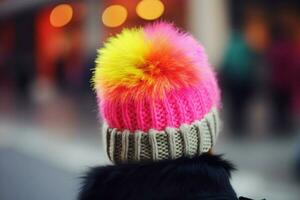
x=147, y=62
x=117, y=62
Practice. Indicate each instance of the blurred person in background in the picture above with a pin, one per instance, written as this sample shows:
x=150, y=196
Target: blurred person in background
x=239, y=72
x=5, y=55
x=296, y=90
x=283, y=58
x=296, y=74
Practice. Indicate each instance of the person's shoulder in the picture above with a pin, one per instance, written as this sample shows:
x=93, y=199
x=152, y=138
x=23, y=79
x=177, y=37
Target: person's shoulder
x=168, y=179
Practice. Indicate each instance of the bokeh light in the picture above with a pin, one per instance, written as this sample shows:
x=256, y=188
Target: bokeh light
x=114, y=15
x=150, y=9
x=61, y=15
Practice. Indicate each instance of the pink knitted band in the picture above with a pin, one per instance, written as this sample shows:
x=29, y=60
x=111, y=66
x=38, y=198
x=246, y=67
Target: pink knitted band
x=178, y=107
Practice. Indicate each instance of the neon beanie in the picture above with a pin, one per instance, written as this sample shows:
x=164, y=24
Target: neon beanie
x=157, y=95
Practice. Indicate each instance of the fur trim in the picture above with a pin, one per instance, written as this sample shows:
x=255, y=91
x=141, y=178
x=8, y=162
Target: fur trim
x=150, y=61
x=202, y=177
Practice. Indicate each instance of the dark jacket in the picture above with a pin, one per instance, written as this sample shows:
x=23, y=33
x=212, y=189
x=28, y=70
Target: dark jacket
x=203, y=177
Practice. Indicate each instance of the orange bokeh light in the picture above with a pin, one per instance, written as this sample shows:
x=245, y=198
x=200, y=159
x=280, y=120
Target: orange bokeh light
x=150, y=9
x=114, y=15
x=61, y=15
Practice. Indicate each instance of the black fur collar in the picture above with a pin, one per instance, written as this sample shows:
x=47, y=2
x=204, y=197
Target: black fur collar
x=203, y=177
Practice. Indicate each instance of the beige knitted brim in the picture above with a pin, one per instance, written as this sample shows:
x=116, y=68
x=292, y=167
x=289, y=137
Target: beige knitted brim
x=186, y=141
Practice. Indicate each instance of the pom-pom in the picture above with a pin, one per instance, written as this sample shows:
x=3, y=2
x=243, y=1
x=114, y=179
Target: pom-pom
x=148, y=61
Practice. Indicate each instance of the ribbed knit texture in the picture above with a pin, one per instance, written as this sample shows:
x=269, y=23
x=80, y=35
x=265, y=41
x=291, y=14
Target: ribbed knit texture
x=180, y=106
x=187, y=140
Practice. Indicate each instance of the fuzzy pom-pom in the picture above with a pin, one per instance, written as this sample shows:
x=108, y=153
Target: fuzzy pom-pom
x=148, y=61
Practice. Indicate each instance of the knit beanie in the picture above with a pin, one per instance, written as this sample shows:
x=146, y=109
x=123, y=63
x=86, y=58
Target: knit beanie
x=157, y=95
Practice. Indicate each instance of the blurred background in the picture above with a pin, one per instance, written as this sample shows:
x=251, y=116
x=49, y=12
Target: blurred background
x=49, y=125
